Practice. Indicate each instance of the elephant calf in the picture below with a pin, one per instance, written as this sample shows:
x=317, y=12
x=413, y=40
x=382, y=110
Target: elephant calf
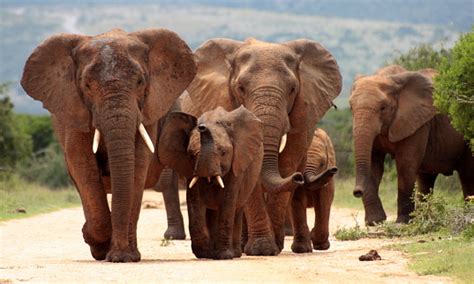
x=221, y=153
x=319, y=188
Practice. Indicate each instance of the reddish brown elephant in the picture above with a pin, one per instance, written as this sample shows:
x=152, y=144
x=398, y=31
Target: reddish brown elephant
x=221, y=155
x=105, y=94
x=289, y=87
x=393, y=114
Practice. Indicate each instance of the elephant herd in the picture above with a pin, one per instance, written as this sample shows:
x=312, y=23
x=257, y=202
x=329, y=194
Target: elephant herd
x=238, y=121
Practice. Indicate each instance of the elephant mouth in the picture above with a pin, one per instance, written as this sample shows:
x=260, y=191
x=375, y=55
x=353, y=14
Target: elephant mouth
x=209, y=179
x=143, y=134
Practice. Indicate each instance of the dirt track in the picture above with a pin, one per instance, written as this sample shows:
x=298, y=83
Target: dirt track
x=50, y=248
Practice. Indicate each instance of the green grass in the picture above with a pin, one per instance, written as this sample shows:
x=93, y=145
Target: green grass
x=447, y=256
x=447, y=187
x=34, y=199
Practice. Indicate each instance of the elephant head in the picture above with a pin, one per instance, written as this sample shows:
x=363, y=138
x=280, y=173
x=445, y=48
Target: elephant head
x=114, y=84
x=288, y=86
x=321, y=161
x=217, y=144
x=393, y=103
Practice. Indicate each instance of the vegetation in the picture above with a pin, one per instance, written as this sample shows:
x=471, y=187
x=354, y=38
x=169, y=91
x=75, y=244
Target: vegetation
x=454, y=87
x=21, y=199
x=420, y=57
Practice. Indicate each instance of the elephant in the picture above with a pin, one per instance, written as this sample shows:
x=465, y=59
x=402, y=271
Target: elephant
x=393, y=114
x=221, y=154
x=289, y=87
x=105, y=93
x=319, y=187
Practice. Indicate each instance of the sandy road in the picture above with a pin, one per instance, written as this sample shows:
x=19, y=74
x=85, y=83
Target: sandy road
x=49, y=248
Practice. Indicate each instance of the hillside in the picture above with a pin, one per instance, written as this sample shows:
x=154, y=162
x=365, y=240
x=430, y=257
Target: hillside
x=360, y=45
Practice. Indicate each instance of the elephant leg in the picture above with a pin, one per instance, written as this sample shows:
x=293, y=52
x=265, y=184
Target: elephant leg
x=200, y=237
x=466, y=176
x=261, y=240
x=374, y=211
x=237, y=233
x=426, y=182
x=322, y=199
x=168, y=185
x=288, y=226
x=406, y=183
x=83, y=169
x=302, y=238
x=277, y=205
x=225, y=233
x=245, y=233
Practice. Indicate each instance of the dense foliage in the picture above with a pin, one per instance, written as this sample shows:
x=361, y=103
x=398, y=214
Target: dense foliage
x=454, y=87
x=420, y=57
x=28, y=147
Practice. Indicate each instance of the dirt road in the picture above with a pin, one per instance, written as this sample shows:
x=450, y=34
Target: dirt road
x=49, y=248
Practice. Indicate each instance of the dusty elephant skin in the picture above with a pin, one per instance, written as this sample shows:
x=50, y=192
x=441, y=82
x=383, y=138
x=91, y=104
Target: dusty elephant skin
x=393, y=114
x=106, y=94
x=289, y=87
x=221, y=155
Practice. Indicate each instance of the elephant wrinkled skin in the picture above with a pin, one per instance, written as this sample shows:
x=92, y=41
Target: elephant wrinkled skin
x=289, y=87
x=393, y=114
x=221, y=155
x=111, y=89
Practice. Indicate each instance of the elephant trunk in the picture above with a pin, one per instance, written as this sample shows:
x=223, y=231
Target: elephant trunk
x=364, y=136
x=315, y=181
x=270, y=109
x=207, y=164
x=118, y=126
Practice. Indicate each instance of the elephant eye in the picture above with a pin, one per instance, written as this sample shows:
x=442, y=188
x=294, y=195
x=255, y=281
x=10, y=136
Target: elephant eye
x=382, y=108
x=292, y=91
x=241, y=89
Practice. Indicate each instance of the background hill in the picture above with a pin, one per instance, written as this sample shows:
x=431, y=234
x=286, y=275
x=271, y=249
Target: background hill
x=361, y=34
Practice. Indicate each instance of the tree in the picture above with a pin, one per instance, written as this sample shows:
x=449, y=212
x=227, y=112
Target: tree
x=420, y=57
x=15, y=145
x=454, y=86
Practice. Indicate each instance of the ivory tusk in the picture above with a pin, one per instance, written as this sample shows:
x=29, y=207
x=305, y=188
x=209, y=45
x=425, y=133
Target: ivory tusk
x=95, y=141
x=282, y=143
x=208, y=179
x=193, y=182
x=220, y=181
x=146, y=137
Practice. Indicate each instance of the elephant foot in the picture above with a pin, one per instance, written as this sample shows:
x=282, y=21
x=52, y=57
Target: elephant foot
x=375, y=219
x=224, y=254
x=116, y=255
x=261, y=246
x=202, y=252
x=301, y=246
x=175, y=232
x=237, y=252
x=99, y=251
x=321, y=245
x=404, y=219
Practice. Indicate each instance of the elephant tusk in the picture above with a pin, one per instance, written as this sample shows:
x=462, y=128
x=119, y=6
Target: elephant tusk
x=193, y=182
x=95, y=141
x=208, y=179
x=282, y=143
x=146, y=137
x=220, y=181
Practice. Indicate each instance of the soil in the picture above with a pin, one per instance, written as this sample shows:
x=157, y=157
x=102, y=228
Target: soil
x=49, y=248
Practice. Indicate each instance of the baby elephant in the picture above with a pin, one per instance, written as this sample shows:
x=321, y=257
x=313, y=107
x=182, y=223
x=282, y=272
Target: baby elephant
x=221, y=155
x=319, y=187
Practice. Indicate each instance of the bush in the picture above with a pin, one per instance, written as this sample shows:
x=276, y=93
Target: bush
x=454, y=87
x=420, y=57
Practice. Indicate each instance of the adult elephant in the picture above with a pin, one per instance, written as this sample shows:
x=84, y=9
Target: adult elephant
x=289, y=87
x=393, y=114
x=105, y=93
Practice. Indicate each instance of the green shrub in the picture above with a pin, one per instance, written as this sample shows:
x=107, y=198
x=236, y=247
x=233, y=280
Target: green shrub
x=454, y=86
x=352, y=233
x=420, y=57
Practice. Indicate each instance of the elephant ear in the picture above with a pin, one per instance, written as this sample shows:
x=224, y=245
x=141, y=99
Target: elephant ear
x=415, y=104
x=174, y=140
x=247, y=135
x=320, y=82
x=209, y=88
x=171, y=68
x=49, y=76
